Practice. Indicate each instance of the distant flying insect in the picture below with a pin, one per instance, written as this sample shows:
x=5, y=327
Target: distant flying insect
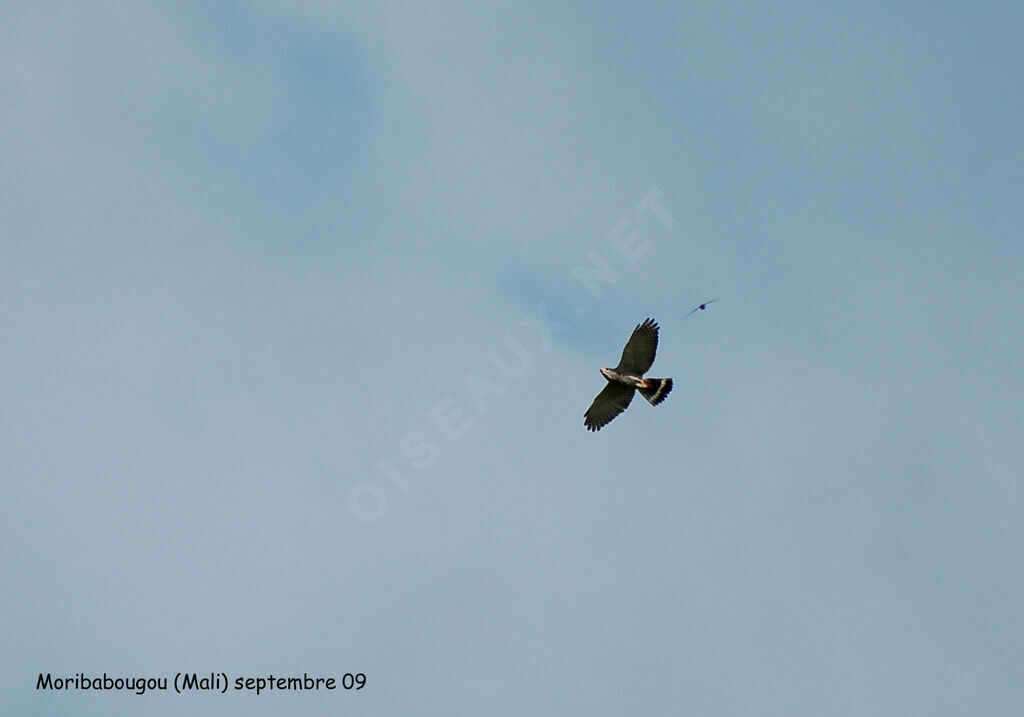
x=702, y=307
x=628, y=377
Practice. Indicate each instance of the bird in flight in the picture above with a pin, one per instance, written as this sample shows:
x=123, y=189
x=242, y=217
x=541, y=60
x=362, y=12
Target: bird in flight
x=628, y=377
x=702, y=307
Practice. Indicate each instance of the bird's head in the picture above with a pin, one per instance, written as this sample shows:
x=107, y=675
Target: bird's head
x=608, y=373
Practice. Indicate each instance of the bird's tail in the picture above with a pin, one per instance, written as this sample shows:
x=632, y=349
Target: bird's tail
x=655, y=389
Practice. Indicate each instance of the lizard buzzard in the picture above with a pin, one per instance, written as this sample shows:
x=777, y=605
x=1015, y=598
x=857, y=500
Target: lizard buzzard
x=628, y=377
x=701, y=307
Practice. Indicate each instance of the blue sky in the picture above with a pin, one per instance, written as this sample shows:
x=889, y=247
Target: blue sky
x=256, y=266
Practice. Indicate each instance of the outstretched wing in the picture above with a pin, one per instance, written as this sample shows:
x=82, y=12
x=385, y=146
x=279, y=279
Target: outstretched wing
x=609, y=403
x=638, y=355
